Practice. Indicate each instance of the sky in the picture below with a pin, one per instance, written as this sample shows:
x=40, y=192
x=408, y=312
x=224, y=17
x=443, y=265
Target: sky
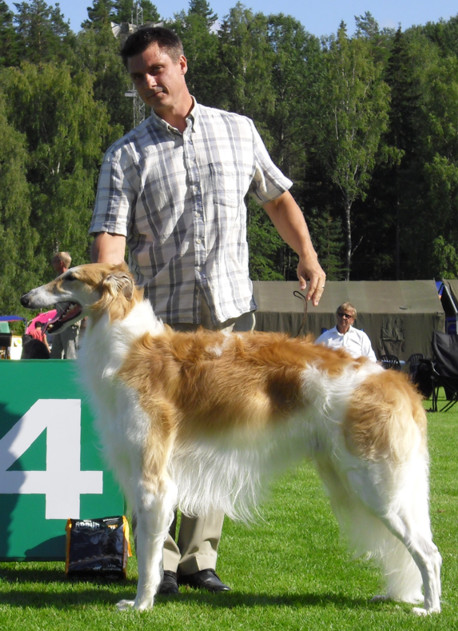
x=318, y=18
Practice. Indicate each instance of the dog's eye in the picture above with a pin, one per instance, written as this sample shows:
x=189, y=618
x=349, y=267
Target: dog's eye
x=70, y=277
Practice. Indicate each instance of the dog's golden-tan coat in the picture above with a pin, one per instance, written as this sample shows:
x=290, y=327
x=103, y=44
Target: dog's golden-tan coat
x=200, y=420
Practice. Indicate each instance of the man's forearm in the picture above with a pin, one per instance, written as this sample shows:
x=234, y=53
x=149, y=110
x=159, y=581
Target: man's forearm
x=289, y=221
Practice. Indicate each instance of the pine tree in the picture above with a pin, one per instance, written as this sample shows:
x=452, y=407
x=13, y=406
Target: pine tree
x=9, y=40
x=43, y=34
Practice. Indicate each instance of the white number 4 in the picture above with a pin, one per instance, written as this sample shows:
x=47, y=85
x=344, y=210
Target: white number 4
x=63, y=481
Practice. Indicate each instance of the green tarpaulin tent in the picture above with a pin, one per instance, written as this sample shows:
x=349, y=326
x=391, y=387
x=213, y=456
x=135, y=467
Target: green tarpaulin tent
x=398, y=316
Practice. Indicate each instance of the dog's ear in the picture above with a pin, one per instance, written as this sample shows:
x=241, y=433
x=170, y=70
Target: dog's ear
x=120, y=281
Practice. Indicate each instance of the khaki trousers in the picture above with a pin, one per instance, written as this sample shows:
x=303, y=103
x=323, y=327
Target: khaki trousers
x=195, y=546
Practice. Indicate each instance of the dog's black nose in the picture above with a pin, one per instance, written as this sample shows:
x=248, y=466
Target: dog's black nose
x=25, y=300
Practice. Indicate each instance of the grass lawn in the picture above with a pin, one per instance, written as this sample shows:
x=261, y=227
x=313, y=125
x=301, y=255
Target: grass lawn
x=289, y=571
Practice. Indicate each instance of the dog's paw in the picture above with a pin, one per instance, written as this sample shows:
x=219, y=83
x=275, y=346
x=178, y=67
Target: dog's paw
x=420, y=611
x=125, y=605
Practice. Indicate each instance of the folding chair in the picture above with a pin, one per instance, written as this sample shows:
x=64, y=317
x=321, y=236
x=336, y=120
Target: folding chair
x=421, y=373
x=413, y=362
x=445, y=369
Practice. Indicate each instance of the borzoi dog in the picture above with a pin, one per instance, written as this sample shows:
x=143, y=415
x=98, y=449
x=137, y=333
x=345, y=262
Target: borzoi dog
x=204, y=419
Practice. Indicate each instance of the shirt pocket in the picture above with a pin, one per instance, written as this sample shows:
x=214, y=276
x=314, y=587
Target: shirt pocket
x=227, y=185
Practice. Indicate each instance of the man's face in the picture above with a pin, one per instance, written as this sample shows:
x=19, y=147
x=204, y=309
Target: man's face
x=345, y=319
x=159, y=80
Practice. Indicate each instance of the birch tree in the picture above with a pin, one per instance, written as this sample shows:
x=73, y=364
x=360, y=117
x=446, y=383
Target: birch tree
x=352, y=115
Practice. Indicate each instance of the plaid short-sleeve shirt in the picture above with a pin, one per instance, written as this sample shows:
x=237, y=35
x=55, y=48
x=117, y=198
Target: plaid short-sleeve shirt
x=178, y=198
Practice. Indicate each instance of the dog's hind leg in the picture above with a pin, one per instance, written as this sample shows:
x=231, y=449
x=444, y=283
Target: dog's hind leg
x=402, y=540
x=154, y=514
x=417, y=539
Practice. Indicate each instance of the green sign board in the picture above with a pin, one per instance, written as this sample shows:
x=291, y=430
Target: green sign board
x=51, y=467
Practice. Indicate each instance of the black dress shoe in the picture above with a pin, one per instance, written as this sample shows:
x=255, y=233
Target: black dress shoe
x=169, y=583
x=205, y=579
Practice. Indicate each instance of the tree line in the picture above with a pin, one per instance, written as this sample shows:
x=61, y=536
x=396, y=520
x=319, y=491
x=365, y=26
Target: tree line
x=364, y=124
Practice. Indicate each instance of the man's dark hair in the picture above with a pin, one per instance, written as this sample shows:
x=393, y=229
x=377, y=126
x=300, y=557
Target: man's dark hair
x=141, y=39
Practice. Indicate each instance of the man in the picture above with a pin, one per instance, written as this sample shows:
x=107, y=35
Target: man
x=173, y=191
x=64, y=345
x=345, y=336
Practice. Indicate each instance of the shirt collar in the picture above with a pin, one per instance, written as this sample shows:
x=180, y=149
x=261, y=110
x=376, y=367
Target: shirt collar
x=342, y=334
x=160, y=122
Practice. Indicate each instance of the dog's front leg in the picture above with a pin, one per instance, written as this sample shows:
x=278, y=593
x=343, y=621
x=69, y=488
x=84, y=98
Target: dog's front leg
x=154, y=512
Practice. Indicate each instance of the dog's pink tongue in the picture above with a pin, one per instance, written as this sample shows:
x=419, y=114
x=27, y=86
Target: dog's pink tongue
x=72, y=313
